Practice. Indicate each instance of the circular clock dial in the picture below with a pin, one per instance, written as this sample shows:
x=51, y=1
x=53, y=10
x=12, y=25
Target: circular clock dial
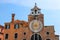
x=35, y=26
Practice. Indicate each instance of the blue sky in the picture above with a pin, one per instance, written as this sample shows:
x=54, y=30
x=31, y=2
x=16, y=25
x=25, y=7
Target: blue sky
x=50, y=9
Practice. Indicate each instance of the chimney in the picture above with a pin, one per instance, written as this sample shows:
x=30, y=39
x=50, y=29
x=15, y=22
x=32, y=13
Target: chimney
x=13, y=15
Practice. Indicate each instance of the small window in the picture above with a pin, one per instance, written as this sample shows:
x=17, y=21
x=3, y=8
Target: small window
x=24, y=39
x=0, y=38
x=32, y=12
x=7, y=26
x=24, y=33
x=6, y=36
x=16, y=35
x=16, y=26
x=47, y=39
x=47, y=33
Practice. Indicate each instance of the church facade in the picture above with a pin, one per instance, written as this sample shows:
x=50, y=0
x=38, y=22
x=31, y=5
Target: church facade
x=34, y=29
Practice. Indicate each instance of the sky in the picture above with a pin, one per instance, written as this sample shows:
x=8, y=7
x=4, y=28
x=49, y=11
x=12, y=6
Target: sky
x=21, y=8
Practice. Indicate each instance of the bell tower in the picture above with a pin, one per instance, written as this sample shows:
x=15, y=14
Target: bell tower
x=36, y=14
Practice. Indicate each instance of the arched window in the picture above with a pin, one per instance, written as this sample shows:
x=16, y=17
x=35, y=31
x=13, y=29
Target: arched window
x=0, y=38
x=7, y=26
x=36, y=37
x=6, y=36
x=16, y=26
x=32, y=12
x=16, y=35
x=35, y=11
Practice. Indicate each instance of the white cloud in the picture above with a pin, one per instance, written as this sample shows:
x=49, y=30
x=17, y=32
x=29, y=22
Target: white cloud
x=44, y=4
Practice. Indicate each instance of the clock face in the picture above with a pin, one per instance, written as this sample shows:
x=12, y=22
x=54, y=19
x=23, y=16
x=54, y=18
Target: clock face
x=35, y=26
